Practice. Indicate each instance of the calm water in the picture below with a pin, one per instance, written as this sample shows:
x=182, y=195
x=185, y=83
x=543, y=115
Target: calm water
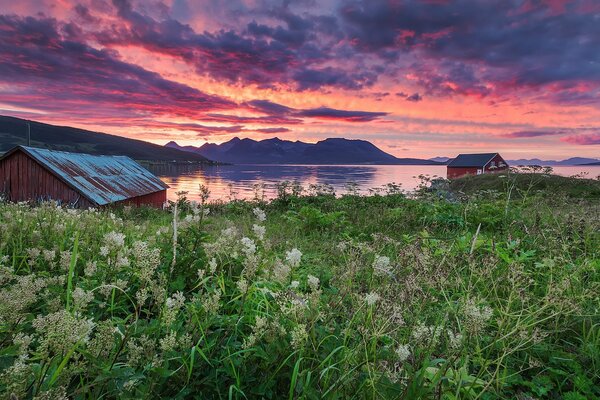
x=237, y=181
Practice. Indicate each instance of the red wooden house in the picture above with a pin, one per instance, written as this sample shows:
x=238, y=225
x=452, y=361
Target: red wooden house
x=78, y=180
x=475, y=164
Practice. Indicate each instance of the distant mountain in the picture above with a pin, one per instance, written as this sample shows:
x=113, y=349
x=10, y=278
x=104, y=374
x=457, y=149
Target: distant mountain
x=537, y=161
x=554, y=163
x=276, y=151
x=443, y=160
x=13, y=132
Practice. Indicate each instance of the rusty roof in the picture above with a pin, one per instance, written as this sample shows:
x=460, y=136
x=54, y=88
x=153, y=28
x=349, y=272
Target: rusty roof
x=472, y=160
x=101, y=179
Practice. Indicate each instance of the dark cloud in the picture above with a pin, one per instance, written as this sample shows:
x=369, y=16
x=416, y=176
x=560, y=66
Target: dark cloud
x=41, y=59
x=268, y=107
x=476, y=47
x=279, y=111
x=530, y=134
x=343, y=115
x=329, y=76
x=272, y=130
x=415, y=97
x=269, y=56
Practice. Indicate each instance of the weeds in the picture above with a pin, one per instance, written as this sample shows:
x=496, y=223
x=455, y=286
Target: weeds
x=383, y=296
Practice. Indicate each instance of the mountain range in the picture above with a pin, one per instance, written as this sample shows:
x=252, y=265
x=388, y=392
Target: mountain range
x=537, y=161
x=277, y=151
x=13, y=133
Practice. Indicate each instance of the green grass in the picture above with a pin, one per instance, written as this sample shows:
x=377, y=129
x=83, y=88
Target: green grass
x=489, y=295
x=525, y=184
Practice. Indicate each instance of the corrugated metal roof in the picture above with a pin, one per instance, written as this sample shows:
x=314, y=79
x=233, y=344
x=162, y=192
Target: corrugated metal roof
x=101, y=179
x=472, y=160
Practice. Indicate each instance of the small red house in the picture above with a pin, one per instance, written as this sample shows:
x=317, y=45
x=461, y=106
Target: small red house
x=78, y=180
x=475, y=164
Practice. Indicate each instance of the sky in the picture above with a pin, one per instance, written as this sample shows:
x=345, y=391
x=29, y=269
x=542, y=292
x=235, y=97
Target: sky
x=418, y=78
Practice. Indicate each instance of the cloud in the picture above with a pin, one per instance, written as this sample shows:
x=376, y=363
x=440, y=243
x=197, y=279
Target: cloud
x=415, y=97
x=80, y=78
x=466, y=47
x=279, y=111
x=272, y=130
x=531, y=134
x=269, y=107
x=583, y=139
x=342, y=115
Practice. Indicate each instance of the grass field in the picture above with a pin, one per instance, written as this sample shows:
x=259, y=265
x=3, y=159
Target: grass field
x=466, y=294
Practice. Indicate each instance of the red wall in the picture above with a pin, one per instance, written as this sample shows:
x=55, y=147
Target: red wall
x=496, y=159
x=23, y=179
x=456, y=172
x=156, y=199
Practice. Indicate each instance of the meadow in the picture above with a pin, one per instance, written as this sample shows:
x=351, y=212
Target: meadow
x=473, y=290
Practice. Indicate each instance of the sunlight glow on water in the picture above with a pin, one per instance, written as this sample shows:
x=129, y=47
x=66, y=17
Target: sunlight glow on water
x=237, y=181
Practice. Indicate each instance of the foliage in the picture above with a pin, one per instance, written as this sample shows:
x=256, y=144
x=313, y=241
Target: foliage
x=313, y=296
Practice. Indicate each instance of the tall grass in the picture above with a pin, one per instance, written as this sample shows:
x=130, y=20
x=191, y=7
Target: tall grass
x=432, y=296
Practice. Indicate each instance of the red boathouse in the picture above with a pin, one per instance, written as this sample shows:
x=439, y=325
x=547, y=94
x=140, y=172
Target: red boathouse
x=475, y=164
x=76, y=179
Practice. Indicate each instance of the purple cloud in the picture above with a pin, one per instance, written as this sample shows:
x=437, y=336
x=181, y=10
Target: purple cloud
x=415, y=97
x=343, y=115
x=583, y=139
x=530, y=134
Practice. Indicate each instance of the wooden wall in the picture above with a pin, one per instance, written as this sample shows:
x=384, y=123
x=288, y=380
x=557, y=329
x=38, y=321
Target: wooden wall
x=23, y=179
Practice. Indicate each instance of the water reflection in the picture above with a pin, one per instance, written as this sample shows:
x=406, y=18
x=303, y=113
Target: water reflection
x=238, y=181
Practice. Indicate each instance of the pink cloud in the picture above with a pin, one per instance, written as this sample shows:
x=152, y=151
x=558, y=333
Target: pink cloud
x=583, y=139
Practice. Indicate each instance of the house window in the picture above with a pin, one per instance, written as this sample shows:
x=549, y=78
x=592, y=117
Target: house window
x=479, y=172
x=493, y=164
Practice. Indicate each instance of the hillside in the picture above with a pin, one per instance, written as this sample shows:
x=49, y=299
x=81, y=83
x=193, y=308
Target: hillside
x=276, y=151
x=526, y=184
x=13, y=132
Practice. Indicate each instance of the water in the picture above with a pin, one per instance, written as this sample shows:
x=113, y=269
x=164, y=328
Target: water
x=237, y=181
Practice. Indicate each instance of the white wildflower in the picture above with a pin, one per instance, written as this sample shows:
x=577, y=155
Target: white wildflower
x=476, y=316
x=260, y=214
x=381, y=265
x=426, y=334
x=293, y=257
x=299, y=336
x=295, y=284
x=249, y=246
x=313, y=282
x=81, y=298
x=114, y=240
x=242, y=285
x=259, y=231
x=403, y=352
x=372, y=298
x=281, y=272
x=454, y=339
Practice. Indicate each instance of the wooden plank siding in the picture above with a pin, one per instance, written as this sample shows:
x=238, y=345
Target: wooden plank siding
x=24, y=179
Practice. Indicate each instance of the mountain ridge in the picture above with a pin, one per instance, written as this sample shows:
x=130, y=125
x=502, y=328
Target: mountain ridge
x=66, y=138
x=332, y=151
x=572, y=161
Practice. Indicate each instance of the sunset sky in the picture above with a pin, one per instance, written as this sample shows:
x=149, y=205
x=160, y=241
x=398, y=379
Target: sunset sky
x=416, y=78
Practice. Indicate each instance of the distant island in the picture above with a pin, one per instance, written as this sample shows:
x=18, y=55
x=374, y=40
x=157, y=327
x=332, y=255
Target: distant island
x=573, y=161
x=332, y=151
x=13, y=133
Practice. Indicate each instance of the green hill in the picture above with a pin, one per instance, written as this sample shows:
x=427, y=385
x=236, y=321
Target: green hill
x=528, y=183
x=13, y=132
